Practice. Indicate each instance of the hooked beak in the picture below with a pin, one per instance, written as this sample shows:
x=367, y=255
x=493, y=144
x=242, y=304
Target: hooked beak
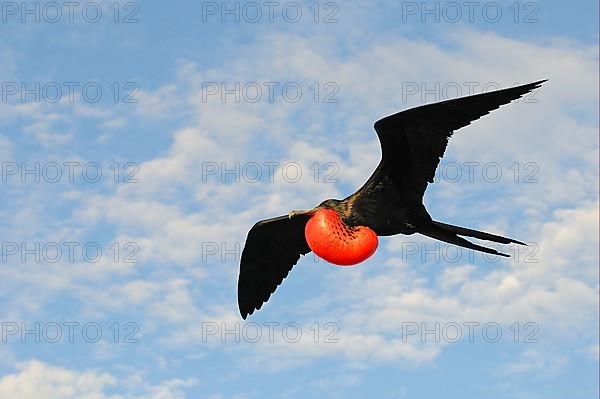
x=307, y=212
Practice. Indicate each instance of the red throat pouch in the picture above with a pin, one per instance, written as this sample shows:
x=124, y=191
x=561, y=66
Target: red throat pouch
x=331, y=239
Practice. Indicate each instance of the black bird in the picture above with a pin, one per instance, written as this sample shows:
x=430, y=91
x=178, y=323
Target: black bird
x=389, y=203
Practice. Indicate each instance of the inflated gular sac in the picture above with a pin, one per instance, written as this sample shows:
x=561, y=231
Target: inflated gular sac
x=331, y=239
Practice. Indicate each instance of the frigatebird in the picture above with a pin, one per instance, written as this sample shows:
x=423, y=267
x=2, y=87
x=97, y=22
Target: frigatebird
x=345, y=231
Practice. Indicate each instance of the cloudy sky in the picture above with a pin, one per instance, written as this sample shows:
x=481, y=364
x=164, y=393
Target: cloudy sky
x=139, y=142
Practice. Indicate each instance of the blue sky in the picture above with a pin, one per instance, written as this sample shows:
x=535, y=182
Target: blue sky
x=197, y=167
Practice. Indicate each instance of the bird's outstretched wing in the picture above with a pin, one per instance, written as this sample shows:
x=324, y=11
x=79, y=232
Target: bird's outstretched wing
x=414, y=141
x=272, y=248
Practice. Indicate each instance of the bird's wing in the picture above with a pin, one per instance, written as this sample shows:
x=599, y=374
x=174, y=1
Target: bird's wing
x=272, y=248
x=414, y=141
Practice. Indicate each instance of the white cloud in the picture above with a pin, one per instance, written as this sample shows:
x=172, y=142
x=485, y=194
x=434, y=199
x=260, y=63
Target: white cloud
x=34, y=379
x=537, y=362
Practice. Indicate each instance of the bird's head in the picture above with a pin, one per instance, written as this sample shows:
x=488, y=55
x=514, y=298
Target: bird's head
x=334, y=204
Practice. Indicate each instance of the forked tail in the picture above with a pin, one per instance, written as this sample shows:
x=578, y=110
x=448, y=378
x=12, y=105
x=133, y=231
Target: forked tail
x=450, y=234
